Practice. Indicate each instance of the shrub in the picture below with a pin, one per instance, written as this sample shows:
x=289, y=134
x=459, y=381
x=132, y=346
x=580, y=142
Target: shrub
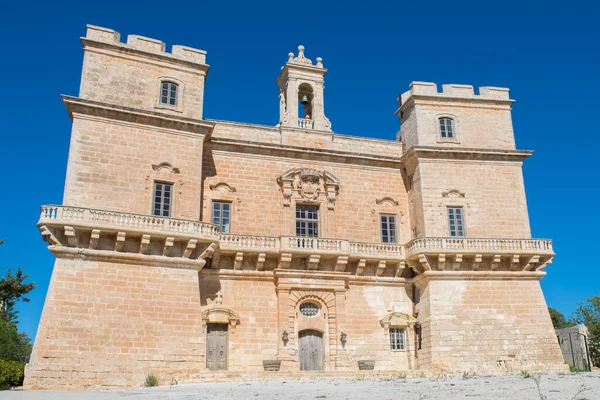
x=574, y=369
x=11, y=373
x=151, y=381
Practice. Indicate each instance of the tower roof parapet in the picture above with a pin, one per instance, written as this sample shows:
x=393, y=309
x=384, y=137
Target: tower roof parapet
x=144, y=44
x=301, y=59
x=454, y=91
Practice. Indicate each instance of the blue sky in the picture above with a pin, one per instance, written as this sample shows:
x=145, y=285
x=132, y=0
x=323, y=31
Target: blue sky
x=547, y=52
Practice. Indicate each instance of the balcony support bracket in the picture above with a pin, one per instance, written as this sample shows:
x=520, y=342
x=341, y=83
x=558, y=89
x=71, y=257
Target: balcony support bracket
x=380, y=268
x=342, y=262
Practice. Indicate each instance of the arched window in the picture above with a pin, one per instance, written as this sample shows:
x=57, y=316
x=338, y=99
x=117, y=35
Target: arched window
x=168, y=93
x=447, y=128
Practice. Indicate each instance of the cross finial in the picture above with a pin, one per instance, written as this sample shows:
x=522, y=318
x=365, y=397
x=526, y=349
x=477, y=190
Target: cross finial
x=219, y=298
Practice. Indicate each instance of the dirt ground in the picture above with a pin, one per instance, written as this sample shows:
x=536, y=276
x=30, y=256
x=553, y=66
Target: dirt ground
x=576, y=386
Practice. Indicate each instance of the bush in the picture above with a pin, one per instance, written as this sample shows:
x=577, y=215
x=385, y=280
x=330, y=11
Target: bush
x=11, y=373
x=151, y=381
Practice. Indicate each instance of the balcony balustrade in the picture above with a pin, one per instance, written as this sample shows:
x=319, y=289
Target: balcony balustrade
x=470, y=245
x=119, y=221
x=248, y=243
x=314, y=245
x=62, y=224
x=367, y=251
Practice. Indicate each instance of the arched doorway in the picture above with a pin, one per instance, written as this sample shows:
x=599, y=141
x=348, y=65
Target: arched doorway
x=311, y=352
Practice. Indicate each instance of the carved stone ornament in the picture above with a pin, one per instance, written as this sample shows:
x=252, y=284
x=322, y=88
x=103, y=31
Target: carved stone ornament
x=453, y=193
x=222, y=186
x=397, y=319
x=167, y=165
x=310, y=185
x=386, y=199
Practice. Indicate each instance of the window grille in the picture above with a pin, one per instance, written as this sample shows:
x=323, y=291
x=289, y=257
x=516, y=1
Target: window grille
x=309, y=309
x=397, y=338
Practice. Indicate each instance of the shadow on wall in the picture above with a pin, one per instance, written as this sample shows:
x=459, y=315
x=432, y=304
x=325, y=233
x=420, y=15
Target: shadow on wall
x=209, y=288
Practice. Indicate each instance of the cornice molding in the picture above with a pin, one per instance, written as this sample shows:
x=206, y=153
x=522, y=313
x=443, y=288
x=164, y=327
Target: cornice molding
x=76, y=105
x=454, y=153
x=297, y=149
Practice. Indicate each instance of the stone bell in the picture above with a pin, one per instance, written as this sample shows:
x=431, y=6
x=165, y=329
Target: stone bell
x=304, y=100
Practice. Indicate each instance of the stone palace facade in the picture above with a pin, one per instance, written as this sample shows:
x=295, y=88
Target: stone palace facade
x=186, y=246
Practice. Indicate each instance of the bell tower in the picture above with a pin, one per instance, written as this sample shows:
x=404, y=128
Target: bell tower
x=301, y=84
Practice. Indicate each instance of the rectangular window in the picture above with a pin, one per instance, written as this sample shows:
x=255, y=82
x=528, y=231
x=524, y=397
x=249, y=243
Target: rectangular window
x=168, y=93
x=307, y=220
x=456, y=222
x=388, y=228
x=417, y=295
x=446, y=128
x=221, y=215
x=397, y=338
x=409, y=184
x=163, y=195
x=419, y=337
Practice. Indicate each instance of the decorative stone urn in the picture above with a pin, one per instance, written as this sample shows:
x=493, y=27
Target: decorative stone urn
x=366, y=365
x=271, y=365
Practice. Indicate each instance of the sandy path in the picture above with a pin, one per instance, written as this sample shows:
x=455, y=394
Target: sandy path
x=515, y=387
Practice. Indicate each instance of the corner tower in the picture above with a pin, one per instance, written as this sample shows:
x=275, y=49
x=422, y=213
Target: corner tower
x=301, y=84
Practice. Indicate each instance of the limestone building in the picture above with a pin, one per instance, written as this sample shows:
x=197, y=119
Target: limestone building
x=187, y=246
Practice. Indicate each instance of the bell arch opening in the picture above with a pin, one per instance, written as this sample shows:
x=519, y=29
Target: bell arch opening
x=305, y=101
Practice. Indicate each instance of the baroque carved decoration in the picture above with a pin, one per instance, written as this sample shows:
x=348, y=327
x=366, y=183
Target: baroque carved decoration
x=397, y=319
x=167, y=165
x=222, y=186
x=387, y=199
x=309, y=185
x=453, y=193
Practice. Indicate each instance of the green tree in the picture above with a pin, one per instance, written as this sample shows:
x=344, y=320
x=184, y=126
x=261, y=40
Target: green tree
x=588, y=313
x=13, y=345
x=558, y=319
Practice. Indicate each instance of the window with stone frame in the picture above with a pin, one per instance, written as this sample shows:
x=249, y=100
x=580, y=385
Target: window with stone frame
x=456, y=221
x=168, y=93
x=163, y=199
x=447, y=130
x=307, y=220
x=388, y=228
x=221, y=215
x=397, y=338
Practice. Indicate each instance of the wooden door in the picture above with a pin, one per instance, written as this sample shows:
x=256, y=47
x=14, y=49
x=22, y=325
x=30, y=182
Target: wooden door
x=216, y=346
x=311, y=350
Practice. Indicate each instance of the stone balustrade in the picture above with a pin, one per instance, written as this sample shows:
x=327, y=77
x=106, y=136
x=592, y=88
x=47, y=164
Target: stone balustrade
x=119, y=221
x=249, y=243
x=78, y=218
x=305, y=123
x=367, y=251
x=313, y=245
x=470, y=245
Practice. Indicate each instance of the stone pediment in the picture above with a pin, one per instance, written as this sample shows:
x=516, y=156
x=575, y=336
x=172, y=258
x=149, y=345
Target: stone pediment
x=309, y=185
x=397, y=319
